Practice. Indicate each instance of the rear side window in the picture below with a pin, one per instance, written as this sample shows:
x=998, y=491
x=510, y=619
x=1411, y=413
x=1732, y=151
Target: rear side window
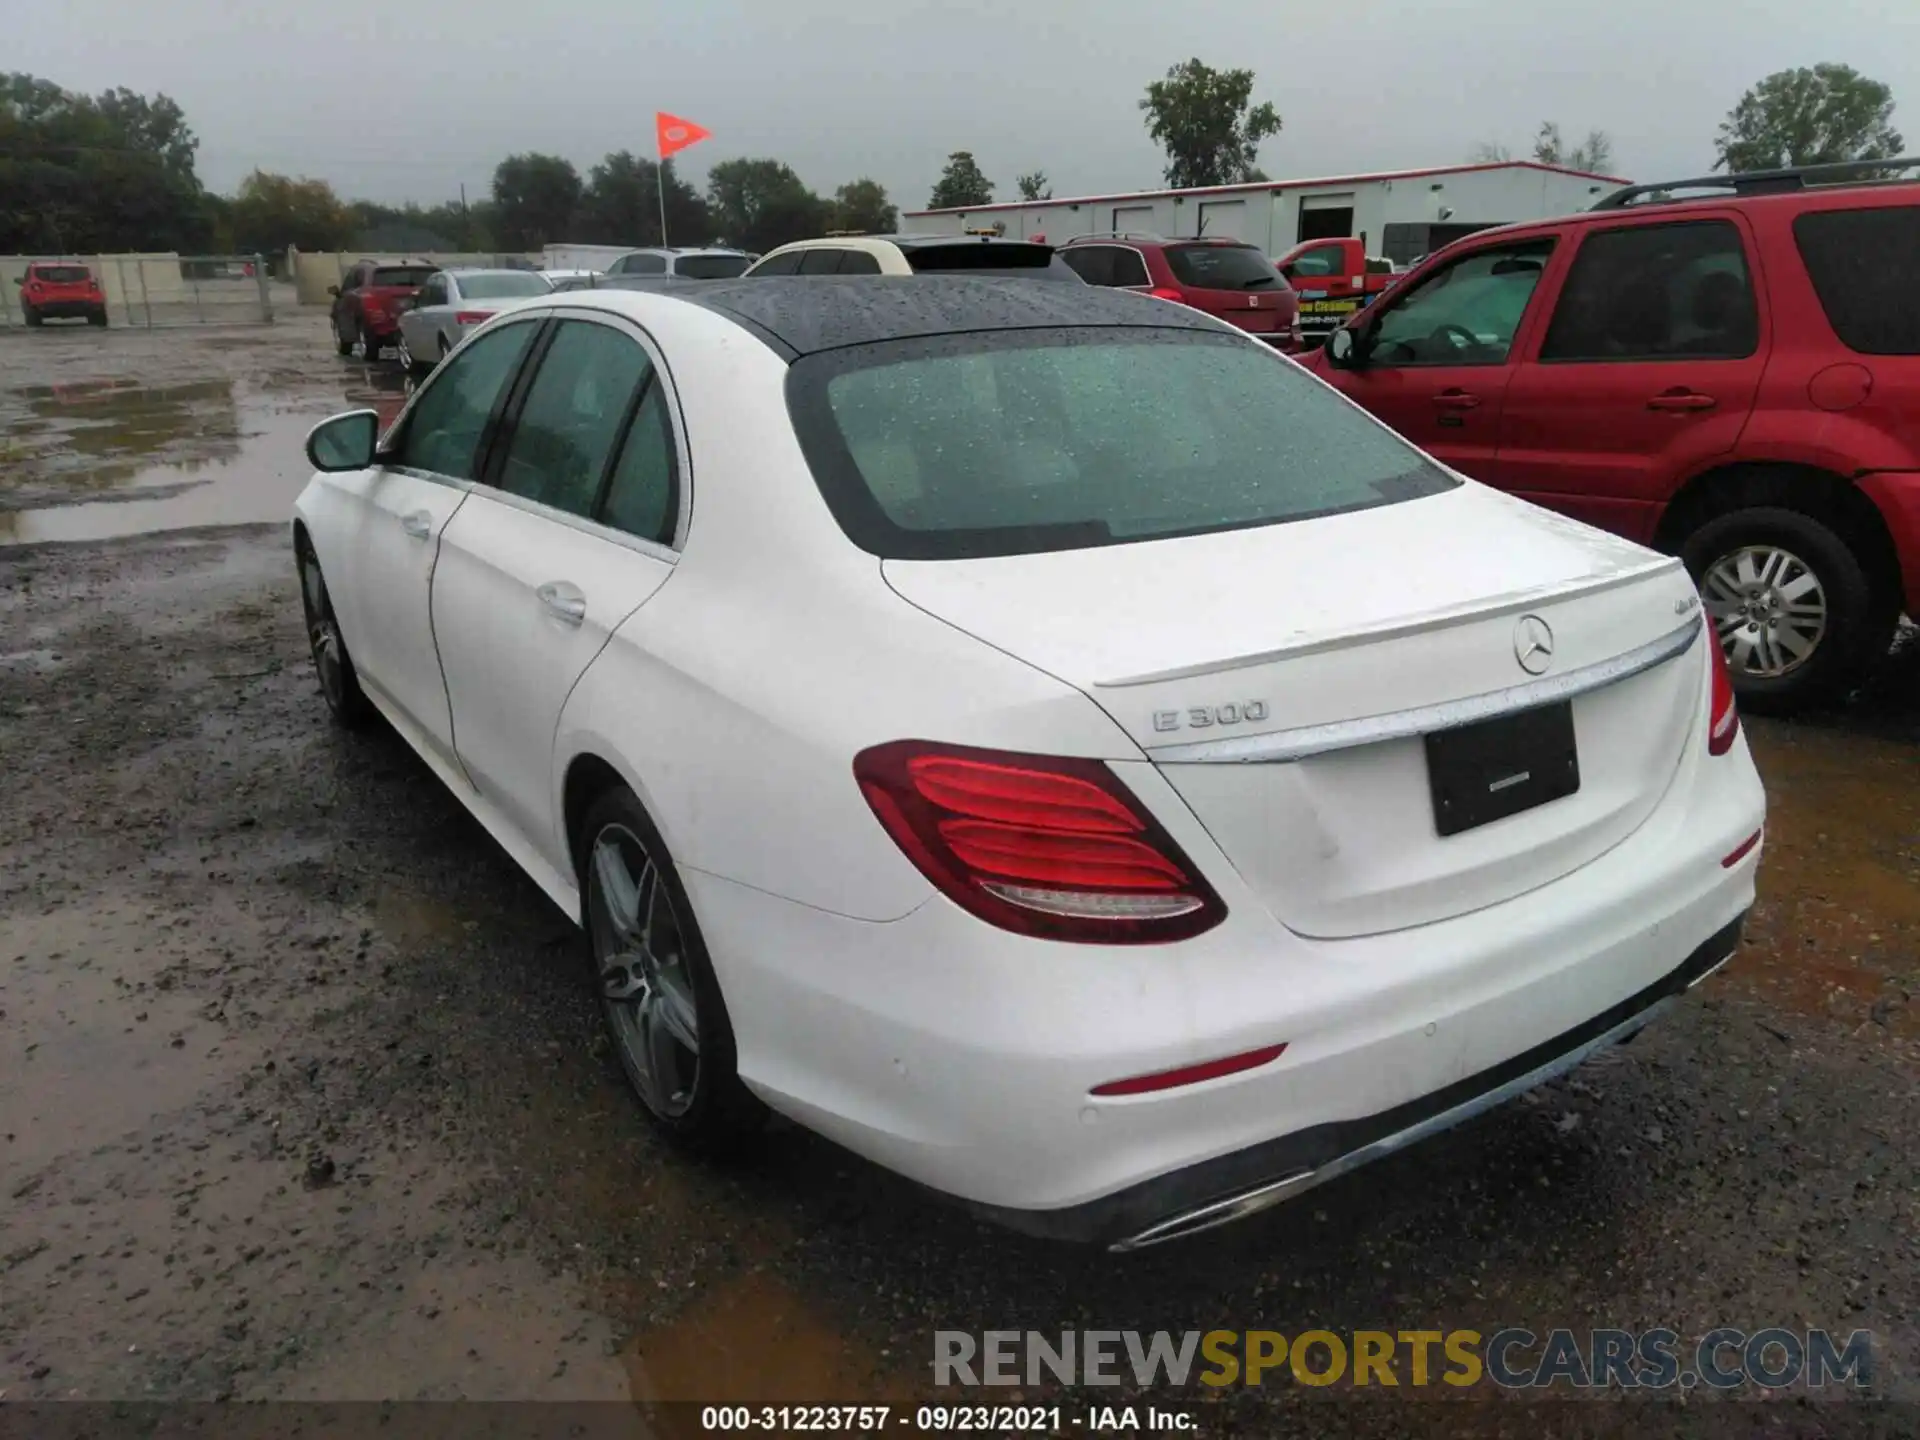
x=1221, y=267
x=506, y=286
x=980, y=257
x=821, y=262
x=641, y=498
x=858, y=262
x=787, y=264
x=572, y=416
x=1130, y=267
x=408, y=275
x=1656, y=292
x=1092, y=263
x=641, y=265
x=1865, y=267
x=1015, y=442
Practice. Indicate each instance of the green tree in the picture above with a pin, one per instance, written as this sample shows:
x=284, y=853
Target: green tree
x=534, y=198
x=1595, y=153
x=758, y=204
x=1206, y=122
x=1033, y=186
x=271, y=212
x=961, y=184
x=1829, y=114
x=621, y=205
x=863, y=205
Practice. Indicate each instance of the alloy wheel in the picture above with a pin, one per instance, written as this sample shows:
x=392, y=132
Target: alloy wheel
x=639, y=951
x=323, y=633
x=1768, y=607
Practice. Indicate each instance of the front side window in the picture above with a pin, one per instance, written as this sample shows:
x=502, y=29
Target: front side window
x=1464, y=314
x=787, y=264
x=434, y=292
x=572, y=416
x=1656, y=292
x=1326, y=260
x=1012, y=442
x=824, y=261
x=1865, y=267
x=443, y=431
x=641, y=265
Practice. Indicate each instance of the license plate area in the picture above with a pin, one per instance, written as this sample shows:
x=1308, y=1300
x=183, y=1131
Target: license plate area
x=1496, y=768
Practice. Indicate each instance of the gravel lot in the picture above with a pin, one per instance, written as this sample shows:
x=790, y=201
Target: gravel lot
x=302, y=1092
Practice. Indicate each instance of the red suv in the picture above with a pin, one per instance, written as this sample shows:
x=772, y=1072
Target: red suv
x=1228, y=279
x=1730, y=377
x=61, y=290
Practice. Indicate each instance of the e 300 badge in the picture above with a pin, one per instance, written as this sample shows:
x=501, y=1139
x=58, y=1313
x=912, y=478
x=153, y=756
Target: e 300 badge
x=1206, y=717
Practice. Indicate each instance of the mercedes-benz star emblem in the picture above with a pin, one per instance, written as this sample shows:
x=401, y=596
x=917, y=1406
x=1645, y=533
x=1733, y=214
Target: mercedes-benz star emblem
x=1533, y=644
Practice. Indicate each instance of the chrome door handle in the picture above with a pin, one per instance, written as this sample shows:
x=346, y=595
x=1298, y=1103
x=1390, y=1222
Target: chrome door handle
x=419, y=524
x=563, y=601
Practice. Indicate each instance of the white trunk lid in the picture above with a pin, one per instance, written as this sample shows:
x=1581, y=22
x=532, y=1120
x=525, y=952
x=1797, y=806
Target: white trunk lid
x=1311, y=639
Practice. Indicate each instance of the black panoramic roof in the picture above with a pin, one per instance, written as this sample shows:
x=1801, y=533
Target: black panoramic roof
x=799, y=315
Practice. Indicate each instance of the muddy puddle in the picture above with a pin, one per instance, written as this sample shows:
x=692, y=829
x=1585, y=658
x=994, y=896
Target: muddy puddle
x=97, y=459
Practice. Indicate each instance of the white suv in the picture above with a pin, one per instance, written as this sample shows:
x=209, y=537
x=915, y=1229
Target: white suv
x=915, y=255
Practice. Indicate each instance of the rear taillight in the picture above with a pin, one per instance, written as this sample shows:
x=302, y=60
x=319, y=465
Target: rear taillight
x=1040, y=845
x=1723, y=719
x=1162, y=292
x=373, y=309
x=472, y=317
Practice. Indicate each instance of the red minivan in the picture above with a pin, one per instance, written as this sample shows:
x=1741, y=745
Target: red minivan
x=1733, y=378
x=1228, y=279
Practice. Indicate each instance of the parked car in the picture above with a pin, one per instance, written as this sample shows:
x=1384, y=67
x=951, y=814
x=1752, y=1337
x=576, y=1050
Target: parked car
x=571, y=279
x=914, y=255
x=452, y=302
x=706, y=263
x=367, y=304
x=61, y=290
x=1336, y=279
x=1145, y=786
x=1226, y=278
x=1732, y=378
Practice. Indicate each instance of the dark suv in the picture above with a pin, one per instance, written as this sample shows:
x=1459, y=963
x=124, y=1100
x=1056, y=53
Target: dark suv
x=1731, y=375
x=1228, y=279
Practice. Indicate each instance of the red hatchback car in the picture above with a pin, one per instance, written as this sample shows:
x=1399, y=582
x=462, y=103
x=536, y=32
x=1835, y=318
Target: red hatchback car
x=1228, y=279
x=61, y=290
x=1733, y=378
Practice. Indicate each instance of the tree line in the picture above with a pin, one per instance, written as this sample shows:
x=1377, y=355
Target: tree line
x=85, y=174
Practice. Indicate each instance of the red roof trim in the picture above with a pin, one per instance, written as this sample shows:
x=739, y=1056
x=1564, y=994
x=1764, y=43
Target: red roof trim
x=1276, y=185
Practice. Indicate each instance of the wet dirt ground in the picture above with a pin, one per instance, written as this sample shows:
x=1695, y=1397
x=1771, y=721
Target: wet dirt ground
x=303, y=1095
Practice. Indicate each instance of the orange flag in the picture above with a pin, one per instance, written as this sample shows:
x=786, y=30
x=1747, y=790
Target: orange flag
x=676, y=134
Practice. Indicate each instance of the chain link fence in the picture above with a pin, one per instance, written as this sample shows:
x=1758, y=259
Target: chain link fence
x=155, y=291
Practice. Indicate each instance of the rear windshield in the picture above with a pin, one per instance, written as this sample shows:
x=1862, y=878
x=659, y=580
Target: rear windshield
x=62, y=274
x=415, y=275
x=711, y=267
x=979, y=256
x=1865, y=266
x=502, y=287
x=1221, y=267
x=1017, y=442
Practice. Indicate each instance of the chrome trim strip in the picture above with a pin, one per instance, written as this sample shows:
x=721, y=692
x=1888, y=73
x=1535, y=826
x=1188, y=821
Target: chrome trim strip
x=1479, y=609
x=1262, y=1197
x=1297, y=744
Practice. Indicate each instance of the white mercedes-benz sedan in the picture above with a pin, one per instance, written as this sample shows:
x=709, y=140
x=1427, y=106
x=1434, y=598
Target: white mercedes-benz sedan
x=1033, y=735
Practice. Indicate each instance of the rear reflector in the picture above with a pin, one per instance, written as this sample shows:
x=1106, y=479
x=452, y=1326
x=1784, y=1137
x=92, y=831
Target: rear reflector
x=1723, y=717
x=1041, y=845
x=472, y=317
x=1744, y=849
x=1191, y=1074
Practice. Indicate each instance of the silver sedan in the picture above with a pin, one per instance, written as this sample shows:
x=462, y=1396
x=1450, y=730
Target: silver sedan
x=453, y=302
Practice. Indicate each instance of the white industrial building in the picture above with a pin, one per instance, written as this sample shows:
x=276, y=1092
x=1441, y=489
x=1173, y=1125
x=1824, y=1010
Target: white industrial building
x=1400, y=214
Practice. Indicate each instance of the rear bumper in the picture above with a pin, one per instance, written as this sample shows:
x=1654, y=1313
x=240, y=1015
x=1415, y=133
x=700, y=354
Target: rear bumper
x=68, y=309
x=1232, y=1187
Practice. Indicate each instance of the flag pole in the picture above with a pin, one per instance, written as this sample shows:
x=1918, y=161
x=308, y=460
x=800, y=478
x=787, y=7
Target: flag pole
x=660, y=183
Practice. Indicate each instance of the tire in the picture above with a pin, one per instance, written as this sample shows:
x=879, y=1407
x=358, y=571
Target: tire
x=410, y=362
x=333, y=666
x=369, y=346
x=692, y=1093
x=98, y=319
x=31, y=315
x=1771, y=576
x=342, y=344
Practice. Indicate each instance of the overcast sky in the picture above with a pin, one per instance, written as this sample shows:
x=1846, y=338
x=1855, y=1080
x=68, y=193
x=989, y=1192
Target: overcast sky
x=409, y=99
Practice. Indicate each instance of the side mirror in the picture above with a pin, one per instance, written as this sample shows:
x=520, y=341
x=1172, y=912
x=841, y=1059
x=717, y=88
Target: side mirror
x=333, y=289
x=345, y=442
x=1342, y=351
